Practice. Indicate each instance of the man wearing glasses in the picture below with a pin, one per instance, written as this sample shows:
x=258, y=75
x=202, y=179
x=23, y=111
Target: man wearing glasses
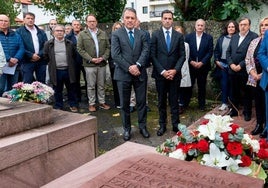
x=60, y=53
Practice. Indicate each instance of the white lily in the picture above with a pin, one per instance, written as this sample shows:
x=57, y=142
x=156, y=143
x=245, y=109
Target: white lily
x=178, y=154
x=221, y=123
x=234, y=167
x=215, y=158
x=252, y=142
x=208, y=130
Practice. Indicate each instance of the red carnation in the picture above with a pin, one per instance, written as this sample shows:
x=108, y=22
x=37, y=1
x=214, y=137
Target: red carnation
x=246, y=161
x=263, y=143
x=262, y=154
x=203, y=146
x=234, y=127
x=234, y=148
x=225, y=137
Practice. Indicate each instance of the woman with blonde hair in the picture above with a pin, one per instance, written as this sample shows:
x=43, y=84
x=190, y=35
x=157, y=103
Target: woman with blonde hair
x=115, y=26
x=254, y=70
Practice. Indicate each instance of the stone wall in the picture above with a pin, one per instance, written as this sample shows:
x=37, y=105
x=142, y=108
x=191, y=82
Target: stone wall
x=212, y=27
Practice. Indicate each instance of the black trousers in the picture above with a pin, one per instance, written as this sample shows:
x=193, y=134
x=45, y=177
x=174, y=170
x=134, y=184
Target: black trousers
x=168, y=89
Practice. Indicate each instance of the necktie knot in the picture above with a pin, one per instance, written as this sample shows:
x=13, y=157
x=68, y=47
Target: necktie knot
x=131, y=38
x=168, y=40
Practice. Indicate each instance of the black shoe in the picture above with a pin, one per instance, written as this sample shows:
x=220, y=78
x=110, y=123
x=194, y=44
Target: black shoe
x=233, y=113
x=263, y=134
x=132, y=109
x=161, y=131
x=247, y=117
x=175, y=129
x=126, y=135
x=144, y=133
x=258, y=129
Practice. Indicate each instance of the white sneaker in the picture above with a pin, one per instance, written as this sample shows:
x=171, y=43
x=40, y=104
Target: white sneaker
x=223, y=107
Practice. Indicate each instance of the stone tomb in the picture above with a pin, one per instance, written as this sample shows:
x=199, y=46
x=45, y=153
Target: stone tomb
x=135, y=165
x=39, y=144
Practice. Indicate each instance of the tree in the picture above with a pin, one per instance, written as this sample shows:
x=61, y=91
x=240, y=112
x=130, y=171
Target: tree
x=105, y=10
x=218, y=10
x=9, y=8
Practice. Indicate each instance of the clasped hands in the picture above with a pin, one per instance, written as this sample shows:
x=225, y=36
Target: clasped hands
x=134, y=70
x=235, y=67
x=97, y=60
x=35, y=57
x=169, y=74
x=196, y=64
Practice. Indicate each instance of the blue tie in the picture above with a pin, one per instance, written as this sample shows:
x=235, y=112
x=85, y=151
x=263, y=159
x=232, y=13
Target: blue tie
x=168, y=40
x=131, y=38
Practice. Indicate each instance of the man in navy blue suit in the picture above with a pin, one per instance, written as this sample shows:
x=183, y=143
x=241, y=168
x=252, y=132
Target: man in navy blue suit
x=168, y=56
x=236, y=54
x=201, y=51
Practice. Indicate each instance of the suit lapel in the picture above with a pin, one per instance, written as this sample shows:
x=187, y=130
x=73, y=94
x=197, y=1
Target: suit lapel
x=163, y=39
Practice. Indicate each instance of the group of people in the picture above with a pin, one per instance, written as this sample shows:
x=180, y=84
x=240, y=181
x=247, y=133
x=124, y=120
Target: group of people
x=178, y=61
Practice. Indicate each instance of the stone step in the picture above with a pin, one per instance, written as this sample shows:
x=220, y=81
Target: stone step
x=21, y=116
x=37, y=156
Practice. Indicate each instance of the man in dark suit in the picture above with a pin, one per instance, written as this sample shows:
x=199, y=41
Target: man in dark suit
x=235, y=55
x=201, y=51
x=129, y=52
x=168, y=56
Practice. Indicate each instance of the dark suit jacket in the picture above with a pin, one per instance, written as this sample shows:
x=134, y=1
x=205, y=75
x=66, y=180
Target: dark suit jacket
x=164, y=60
x=205, y=51
x=236, y=54
x=124, y=56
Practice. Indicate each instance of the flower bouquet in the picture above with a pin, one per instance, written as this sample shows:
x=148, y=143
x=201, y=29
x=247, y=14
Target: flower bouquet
x=35, y=92
x=218, y=143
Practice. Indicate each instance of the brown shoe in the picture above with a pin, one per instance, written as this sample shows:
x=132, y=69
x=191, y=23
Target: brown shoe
x=92, y=108
x=104, y=106
x=73, y=109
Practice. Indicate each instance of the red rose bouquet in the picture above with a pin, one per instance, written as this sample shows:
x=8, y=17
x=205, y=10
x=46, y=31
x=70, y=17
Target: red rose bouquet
x=218, y=143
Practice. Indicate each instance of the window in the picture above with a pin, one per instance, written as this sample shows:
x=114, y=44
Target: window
x=145, y=10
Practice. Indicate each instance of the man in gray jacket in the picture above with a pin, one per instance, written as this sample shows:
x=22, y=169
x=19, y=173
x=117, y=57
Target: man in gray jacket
x=130, y=53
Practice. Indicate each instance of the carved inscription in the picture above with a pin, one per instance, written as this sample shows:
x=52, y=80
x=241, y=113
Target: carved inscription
x=146, y=173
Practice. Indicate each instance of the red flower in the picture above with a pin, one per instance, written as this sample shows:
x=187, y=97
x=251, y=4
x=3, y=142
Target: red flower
x=179, y=133
x=225, y=137
x=186, y=147
x=234, y=148
x=263, y=143
x=246, y=161
x=203, y=146
x=234, y=127
x=263, y=153
x=205, y=122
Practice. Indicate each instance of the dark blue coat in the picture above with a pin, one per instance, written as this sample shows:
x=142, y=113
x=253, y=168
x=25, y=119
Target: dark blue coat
x=28, y=43
x=12, y=45
x=71, y=37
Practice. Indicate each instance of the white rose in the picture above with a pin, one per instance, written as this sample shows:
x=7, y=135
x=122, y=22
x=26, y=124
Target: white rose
x=178, y=154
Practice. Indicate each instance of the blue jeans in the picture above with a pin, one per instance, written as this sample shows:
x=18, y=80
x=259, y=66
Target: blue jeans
x=63, y=79
x=28, y=70
x=7, y=81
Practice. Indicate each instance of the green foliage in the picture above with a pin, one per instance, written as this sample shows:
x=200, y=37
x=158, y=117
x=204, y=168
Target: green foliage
x=218, y=10
x=105, y=10
x=8, y=8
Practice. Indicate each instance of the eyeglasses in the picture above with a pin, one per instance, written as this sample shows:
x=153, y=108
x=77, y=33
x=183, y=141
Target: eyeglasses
x=59, y=30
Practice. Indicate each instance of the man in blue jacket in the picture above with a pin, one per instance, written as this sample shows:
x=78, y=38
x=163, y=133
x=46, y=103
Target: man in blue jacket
x=14, y=50
x=33, y=40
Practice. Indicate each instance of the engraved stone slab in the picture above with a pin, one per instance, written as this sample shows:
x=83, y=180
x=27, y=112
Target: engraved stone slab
x=154, y=170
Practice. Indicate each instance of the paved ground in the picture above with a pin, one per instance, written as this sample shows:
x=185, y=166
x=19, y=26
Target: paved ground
x=110, y=127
